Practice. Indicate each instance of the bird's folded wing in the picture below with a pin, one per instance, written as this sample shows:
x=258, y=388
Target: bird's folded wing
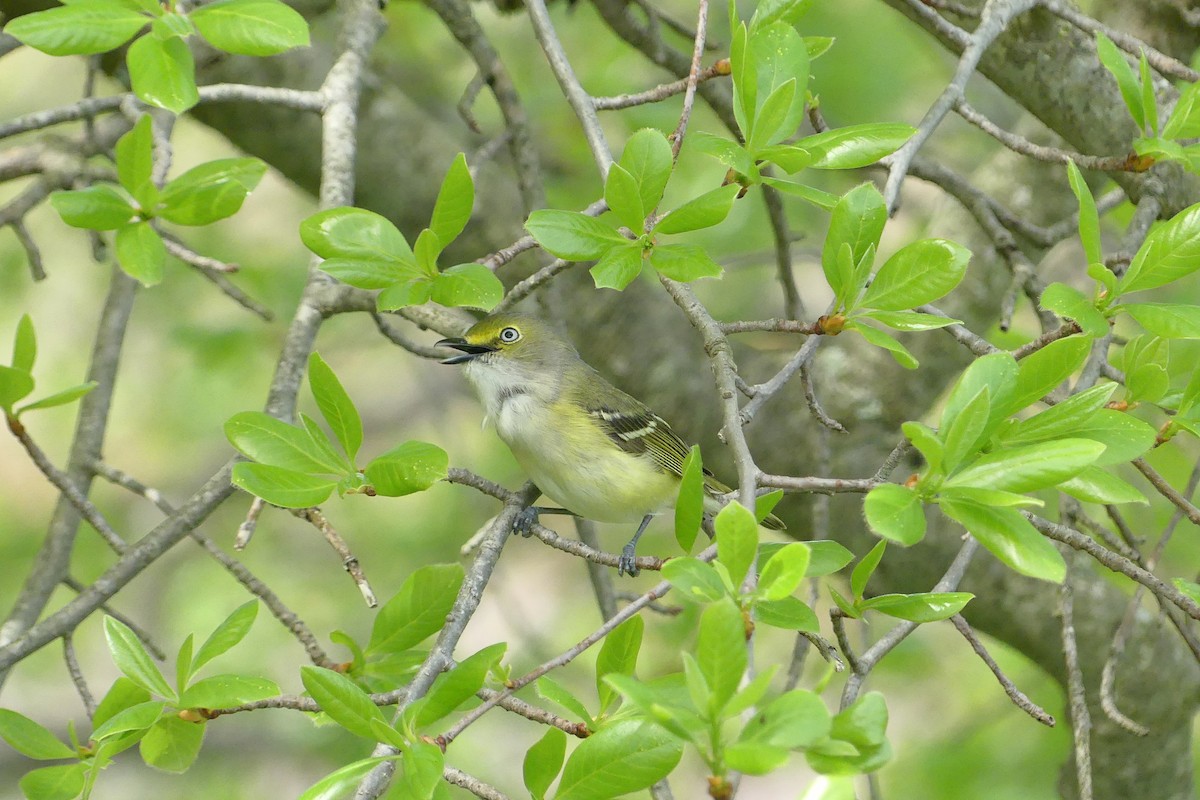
x=642, y=432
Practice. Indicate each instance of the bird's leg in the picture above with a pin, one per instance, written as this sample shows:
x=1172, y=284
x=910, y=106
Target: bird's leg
x=627, y=564
x=527, y=517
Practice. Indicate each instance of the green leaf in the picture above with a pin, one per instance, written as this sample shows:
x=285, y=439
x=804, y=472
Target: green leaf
x=455, y=199
x=737, y=540
x=924, y=607
x=411, y=467
x=368, y=273
x=409, y=293
x=1089, y=219
x=250, y=27
x=138, y=717
x=1170, y=252
x=752, y=758
x=172, y=744
x=543, y=761
x=880, y=339
x=1168, y=320
x=896, y=513
x=135, y=162
x=355, y=233
x=863, y=724
x=623, y=757
x=342, y=699
x=211, y=191
x=1040, y=372
x=141, y=253
x=865, y=569
x=917, y=273
x=826, y=557
x=927, y=443
x=335, y=404
x=163, y=73
x=788, y=157
x=418, y=610
x=1145, y=361
x=572, y=236
x=1066, y=301
x=132, y=658
x=997, y=372
x=337, y=783
x=62, y=782
x=647, y=157
x=30, y=739
x=790, y=11
x=700, y=212
x=14, y=385
x=783, y=571
x=817, y=197
x=1061, y=420
x=1149, y=103
x=791, y=721
x=1184, y=122
x=989, y=497
x=100, y=207
x=695, y=579
x=427, y=248
x=469, y=285
x=78, y=28
x=183, y=663
x=453, y=688
x=267, y=440
x=223, y=691
x=59, y=398
x=1030, y=467
x=1131, y=92
x=1097, y=486
x=171, y=23
x=857, y=221
x=855, y=146
x=764, y=504
x=618, y=656
x=689, y=507
x=281, y=486
x=779, y=56
x=24, y=345
x=1192, y=590
x=623, y=195
x=226, y=635
x=967, y=431
x=122, y=695
x=911, y=320
x=728, y=152
x=684, y=262
x=770, y=124
x=721, y=651
x=1010, y=537
x=617, y=268
x=743, y=72
x=1124, y=436
x=789, y=613
x=552, y=691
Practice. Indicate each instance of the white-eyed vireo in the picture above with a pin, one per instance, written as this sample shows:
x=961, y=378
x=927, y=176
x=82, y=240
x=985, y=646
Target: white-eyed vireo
x=600, y=453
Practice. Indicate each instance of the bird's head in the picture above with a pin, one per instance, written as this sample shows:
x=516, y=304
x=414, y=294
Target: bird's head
x=513, y=341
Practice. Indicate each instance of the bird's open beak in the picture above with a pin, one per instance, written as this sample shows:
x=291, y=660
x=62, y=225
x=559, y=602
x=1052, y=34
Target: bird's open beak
x=470, y=351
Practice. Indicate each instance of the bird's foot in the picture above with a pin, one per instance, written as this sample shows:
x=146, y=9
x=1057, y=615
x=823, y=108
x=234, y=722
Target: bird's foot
x=627, y=562
x=525, y=520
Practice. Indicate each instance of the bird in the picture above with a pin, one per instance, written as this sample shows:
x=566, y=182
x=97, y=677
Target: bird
x=600, y=453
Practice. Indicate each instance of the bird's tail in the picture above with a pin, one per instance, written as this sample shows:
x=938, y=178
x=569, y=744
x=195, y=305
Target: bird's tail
x=715, y=488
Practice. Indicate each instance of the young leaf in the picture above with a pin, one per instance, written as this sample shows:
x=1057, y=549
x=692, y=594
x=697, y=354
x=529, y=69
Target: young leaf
x=789, y=613
x=1149, y=103
x=14, y=385
x=122, y=695
x=78, y=28
x=417, y=611
x=267, y=440
x=467, y=285
x=1089, y=220
x=570, y=235
x=1069, y=302
x=101, y=207
x=24, y=345
x=1114, y=61
x=817, y=197
x=965, y=435
x=704, y=211
x=355, y=233
x=857, y=221
x=411, y=467
x=925, y=607
x=455, y=199
x=647, y=157
x=1060, y=420
x=282, y=487
x=135, y=162
x=61, y=782
x=163, y=73
x=30, y=739
x=543, y=762
x=620, y=758
x=996, y=371
x=721, y=652
x=737, y=540
x=1124, y=436
x=695, y=579
x=865, y=569
x=222, y=691
x=791, y=721
x=137, y=717
x=552, y=691
x=783, y=571
x=623, y=195
x=132, y=658
x=689, y=507
x=340, y=781
x=896, y=513
x=1097, y=486
x=880, y=339
x=1010, y=537
x=408, y=293
x=336, y=406
x=917, y=273
x=342, y=699
x=250, y=27
x=855, y=146
x=910, y=320
x=453, y=688
x=1170, y=252
x=1024, y=469
x=172, y=744
x=1184, y=122
x=780, y=57
x=926, y=440
x=770, y=125
x=211, y=191
x=1040, y=372
x=141, y=253
x=618, y=656
x=231, y=631
x=684, y=262
x=1168, y=320
x=728, y=152
x=617, y=268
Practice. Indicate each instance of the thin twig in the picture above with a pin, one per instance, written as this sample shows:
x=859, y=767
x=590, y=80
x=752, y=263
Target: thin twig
x=1019, y=698
x=1081, y=722
x=85, y=694
x=660, y=92
x=349, y=560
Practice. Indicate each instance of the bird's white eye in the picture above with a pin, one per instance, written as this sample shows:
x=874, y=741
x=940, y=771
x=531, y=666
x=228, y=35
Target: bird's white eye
x=509, y=335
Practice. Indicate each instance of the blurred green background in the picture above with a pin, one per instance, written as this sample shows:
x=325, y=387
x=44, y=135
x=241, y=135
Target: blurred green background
x=193, y=358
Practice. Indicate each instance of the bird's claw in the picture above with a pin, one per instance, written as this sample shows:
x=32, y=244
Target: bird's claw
x=627, y=561
x=525, y=520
